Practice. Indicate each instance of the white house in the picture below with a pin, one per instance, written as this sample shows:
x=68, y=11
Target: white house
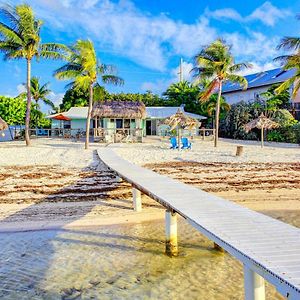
x=257, y=84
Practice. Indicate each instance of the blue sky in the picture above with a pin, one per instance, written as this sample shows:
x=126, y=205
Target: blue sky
x=146, y=39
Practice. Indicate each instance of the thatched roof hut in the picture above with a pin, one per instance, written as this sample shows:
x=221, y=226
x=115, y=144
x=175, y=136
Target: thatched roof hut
x=262, y=122
x=3, y=124
x=119, y=109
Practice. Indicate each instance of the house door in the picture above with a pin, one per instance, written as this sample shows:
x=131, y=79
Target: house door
x=148, y=127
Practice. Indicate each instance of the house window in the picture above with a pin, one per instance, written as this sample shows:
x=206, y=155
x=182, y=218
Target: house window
x=127, y=123
x=67, y=124
x=119, y=123
x=256, y=96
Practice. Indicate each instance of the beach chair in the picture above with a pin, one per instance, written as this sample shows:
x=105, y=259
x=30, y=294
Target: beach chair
x=185, y=143
x=173, y=141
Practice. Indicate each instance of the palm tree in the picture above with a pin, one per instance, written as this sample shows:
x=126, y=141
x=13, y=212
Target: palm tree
x=40, y=92
x=20, y=38
x=290, y=61
x=216, y=64
x=83, y=68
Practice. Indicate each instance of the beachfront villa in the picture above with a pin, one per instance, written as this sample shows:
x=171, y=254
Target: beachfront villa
x=259, y=83
x=120, y=117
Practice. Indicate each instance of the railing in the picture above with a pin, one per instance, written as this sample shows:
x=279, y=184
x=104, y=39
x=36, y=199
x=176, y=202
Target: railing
x=117, y=135
x=206, y=132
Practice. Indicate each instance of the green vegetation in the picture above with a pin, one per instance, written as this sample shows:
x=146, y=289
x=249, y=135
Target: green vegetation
x=215, y=64
x=13, y=111
x=272, y=105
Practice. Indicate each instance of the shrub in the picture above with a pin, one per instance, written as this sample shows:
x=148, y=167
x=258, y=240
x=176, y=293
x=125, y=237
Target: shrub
x=296, y=129
x=275, y=136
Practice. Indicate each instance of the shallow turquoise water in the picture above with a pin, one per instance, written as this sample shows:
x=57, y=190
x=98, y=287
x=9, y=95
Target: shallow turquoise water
x=116, y=262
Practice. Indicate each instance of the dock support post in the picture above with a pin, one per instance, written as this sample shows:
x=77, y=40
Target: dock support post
x=171, y=233
x=137, y=199
x=218, y=248
x=254, y=285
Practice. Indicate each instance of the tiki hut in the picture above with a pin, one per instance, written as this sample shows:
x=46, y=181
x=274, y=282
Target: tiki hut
x=119, y=110
x=262, y=123
x=3, y=124
x=119, y=118
x=181, y=121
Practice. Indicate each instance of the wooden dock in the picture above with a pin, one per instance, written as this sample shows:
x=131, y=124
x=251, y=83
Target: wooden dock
x=269, y=249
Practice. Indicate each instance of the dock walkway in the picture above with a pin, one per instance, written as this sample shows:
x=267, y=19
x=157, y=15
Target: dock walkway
x=269, y=249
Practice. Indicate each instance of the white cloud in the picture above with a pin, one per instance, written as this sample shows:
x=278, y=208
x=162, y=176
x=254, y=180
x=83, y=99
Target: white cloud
x=159, y=86
x=266, y=13
x=56, y=98
x=225, y=13
x=269, y=14
x=150, y=41
x=20, y=89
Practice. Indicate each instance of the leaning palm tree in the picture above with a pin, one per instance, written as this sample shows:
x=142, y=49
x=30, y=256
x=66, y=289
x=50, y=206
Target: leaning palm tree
x=20, y=38
x=290, y=62
x=83, y=68
x=216, y=64
x=40, y=92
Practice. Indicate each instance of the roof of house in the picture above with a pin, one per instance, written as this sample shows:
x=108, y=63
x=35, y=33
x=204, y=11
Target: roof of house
x=72, y=113
x=163, y=112
x=158, y=112
x=260, y=79
x=119, y=109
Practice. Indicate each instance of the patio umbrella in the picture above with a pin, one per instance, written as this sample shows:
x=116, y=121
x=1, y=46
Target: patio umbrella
x=3, y=124
x=262, y=122
x=181, y=121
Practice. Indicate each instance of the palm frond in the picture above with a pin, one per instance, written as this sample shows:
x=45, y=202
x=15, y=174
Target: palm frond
x=241, y=80
x=285, y=85
x=289, y=43
x=240, y=66
x=112, y=79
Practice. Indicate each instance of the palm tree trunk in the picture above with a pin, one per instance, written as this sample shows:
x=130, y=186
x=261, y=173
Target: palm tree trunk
x=218, y=115
x=28, y=107
x=88, y=121
x=262, y=136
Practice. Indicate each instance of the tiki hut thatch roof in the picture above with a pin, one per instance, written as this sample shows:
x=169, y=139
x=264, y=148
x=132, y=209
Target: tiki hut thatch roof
x=181, y=120
x=119, y=109
x=3, y=124
x=261, y=122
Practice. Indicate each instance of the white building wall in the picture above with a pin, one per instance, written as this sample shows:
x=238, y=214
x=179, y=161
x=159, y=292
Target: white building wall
x=247, y=95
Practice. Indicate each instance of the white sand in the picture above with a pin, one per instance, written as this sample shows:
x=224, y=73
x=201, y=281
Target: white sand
x=47, y=152
x=70, y=155
x=157, y=150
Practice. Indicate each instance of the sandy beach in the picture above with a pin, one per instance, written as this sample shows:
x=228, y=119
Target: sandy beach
x=87, y=211
x=55, y=183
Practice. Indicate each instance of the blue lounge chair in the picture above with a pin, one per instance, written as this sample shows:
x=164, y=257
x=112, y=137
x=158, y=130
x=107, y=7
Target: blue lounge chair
x=185, y=143
x=173, y=141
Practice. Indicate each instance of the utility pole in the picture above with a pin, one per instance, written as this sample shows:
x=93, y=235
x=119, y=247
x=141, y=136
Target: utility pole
x=180, y=71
